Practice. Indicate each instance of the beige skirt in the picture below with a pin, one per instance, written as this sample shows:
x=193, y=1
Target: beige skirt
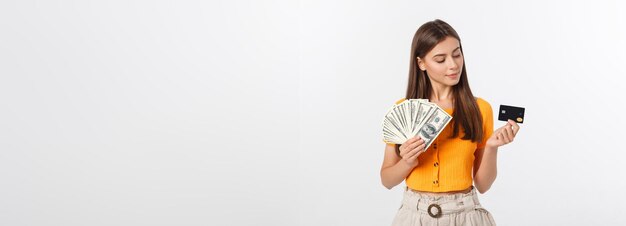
x=455, y=209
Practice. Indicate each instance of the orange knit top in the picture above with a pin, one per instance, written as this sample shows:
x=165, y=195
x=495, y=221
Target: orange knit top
x=447, y=164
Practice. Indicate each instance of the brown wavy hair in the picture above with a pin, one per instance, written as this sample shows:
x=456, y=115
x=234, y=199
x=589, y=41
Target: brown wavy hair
x=466, y=113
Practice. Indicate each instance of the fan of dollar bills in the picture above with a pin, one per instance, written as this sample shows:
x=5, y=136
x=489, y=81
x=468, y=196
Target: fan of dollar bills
x=414, y=117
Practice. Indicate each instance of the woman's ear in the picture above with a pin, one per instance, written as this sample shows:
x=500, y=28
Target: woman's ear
x=421, y=64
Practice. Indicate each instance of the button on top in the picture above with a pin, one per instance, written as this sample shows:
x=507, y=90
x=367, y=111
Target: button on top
x=436, y=164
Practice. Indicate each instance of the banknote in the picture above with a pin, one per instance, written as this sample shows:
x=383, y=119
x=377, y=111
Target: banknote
x=433, y=126
x=414, y=117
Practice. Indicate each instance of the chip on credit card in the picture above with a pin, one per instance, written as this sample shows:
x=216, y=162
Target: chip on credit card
x=511, y=112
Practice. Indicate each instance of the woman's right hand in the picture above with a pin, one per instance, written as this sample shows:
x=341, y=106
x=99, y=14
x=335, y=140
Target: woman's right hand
x=411, y=149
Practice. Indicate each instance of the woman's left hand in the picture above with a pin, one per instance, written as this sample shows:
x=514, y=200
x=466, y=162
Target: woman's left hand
x=503, y=135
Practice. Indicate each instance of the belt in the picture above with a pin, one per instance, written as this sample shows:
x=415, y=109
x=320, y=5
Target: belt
x=436, y=209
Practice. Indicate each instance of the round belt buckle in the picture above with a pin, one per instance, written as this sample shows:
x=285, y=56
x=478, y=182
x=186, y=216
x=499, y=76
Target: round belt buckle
x=430, y=212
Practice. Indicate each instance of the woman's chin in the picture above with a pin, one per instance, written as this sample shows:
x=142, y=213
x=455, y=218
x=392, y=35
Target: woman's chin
x=452, y=83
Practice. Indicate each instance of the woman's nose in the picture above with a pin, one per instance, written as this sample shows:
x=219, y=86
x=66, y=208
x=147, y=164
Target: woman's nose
x=452, y=64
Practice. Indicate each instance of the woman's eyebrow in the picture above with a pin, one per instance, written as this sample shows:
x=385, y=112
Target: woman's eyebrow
x=443, y=54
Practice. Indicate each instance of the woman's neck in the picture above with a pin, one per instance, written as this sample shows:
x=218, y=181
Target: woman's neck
x=441, y=92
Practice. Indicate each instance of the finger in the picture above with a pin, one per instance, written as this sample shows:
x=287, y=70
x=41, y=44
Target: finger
x=406, y=143
x=509, y=133
x=420, y=152
x=416, y=150
x=414, y=145
x=417, y=155
x=419, y=141
x=410, y=154
x=514, y=126
x=505, y=137
x=402, y=150
x=411, y=141
x=421, y=147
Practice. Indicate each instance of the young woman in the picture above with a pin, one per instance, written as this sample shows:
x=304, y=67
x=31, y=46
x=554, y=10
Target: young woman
x=441, y=182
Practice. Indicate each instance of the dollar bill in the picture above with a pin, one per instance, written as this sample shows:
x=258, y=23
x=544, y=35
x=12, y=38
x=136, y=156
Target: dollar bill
x=433, y=126
x=414, y=117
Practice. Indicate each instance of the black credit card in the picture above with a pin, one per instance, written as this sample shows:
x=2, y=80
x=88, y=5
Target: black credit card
x=511, y=112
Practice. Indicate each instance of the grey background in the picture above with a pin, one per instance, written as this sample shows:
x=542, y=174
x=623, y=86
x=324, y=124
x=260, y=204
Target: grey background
x=268, y=113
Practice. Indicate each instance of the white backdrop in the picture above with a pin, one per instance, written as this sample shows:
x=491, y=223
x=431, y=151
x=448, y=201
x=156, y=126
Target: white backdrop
x=268, y=113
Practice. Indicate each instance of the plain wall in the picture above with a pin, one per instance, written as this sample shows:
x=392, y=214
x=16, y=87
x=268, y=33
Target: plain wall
x=269, y=113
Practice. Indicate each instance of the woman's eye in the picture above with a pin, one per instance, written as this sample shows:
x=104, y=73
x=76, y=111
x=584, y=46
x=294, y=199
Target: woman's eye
x=457, y=55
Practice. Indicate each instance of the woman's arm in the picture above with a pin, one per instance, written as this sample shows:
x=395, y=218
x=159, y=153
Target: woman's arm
x=395, y=168
x=485, y=168
x=485, y=161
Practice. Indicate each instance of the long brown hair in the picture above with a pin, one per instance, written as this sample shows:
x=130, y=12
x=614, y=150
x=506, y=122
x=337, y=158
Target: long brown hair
x=466, y=112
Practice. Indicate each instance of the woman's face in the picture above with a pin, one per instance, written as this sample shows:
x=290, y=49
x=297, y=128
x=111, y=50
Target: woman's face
x=444, y=63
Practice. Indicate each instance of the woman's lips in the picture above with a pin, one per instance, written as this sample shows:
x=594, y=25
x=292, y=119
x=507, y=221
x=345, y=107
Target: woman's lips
x=453, y=75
